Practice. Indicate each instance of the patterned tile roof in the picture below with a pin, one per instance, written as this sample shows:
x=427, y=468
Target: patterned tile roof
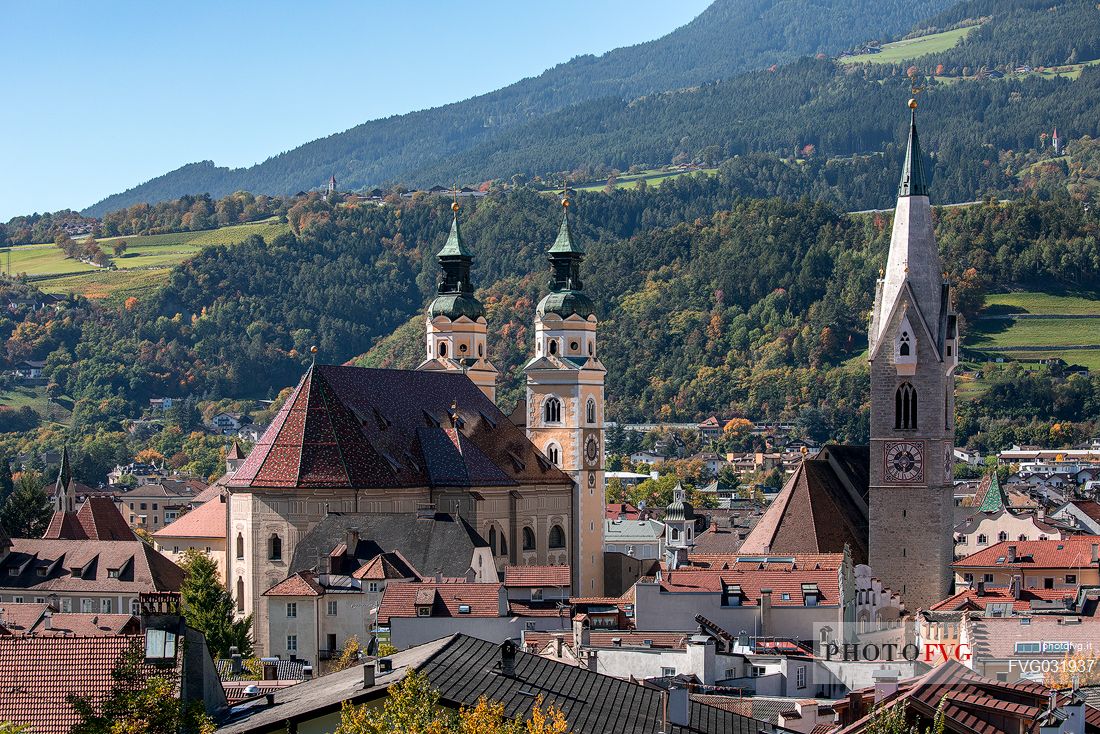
x=205, y=521
x=1070, y=553
x=90, y=566
x=97, y=519
x=387, y=566
x=536, y=576
x=822, y=508
x=401, y=599
x=38, y=674
x=350, y=427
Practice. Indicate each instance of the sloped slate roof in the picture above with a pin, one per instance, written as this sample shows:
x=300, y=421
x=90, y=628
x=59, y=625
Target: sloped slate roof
x=439, y=544
x=356, y=428
x=822, y=508
x=97, y=519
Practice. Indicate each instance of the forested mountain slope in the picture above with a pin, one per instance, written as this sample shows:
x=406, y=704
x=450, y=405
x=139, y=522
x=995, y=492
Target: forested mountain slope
x=729, y=37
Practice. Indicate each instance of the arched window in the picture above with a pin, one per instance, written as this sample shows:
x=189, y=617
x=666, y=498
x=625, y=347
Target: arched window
x=557, y=537
x=493, y=539
x=481, y=350
x=240, y=594
x=982, y=539
x=442, y=349
x=528, y=539
x=551, y=410
x=905, y=407
x=275, y=548
x=553, y=453
x=590, y=411
x=240, y=545
x=1022, y=537
x=904, y=346
x=591, y=348
x=503, y=544
x=553, y=346
x=1002, y=536
x=673, y=533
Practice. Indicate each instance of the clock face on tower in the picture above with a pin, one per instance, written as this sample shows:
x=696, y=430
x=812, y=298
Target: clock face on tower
x=592, y=450
x=905, y=461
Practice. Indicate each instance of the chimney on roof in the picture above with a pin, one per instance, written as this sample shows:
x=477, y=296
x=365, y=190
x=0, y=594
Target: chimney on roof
x=1095, y=552
x=855, y=707
x=590, y=657
x=307, y=672
x=271, y=669
x=1011, y=554
x=886, y=684
x=352, y=540
x=559, y=644
x=236, y=661
x=270, y=697
x=678, y=706
x=1014, y=587
x=47, y=620
x=582, y=635
x=981, y=589
x=714, y=525
x=765, y=610
x=368, y=675
x=508, y=658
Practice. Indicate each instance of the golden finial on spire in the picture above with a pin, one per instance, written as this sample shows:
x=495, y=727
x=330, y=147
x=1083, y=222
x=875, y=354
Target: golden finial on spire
x=913, y=103
x=454, y=195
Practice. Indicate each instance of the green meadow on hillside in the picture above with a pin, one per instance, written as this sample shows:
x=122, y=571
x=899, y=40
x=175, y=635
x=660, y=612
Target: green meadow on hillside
x=145, y=263
x=997, y=334
x=911, y=48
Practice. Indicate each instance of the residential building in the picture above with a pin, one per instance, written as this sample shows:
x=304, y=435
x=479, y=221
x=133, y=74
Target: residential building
x=202, y=529
x=151, y=505
x=1023, y=648
x=227, y=423
x=1082, y=515
x=463, y=668
x=1033, y=564
x=635, y=538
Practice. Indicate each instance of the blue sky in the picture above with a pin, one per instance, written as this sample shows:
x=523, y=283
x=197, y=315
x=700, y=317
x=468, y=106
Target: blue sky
x=100, y=96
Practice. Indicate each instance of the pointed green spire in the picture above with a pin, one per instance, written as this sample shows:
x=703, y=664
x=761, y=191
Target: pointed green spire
x=912, y=173
x=995, y=499
x=455, y=247
x=564, y=242
x=65, y=474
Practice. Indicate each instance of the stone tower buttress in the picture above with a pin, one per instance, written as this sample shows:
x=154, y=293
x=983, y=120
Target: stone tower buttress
x=565, y=402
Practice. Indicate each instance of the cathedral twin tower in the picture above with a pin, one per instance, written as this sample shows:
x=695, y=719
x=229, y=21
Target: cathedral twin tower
x=564, y=409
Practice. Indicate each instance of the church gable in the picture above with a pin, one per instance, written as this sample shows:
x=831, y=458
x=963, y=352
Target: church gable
x=905, y=316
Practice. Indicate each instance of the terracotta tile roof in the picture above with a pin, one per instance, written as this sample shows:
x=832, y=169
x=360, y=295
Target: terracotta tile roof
x=208, y=520
x=99, y=566
x=822, y=508
x=235, y=452
x=773, y=561
x=385, y=566
x=214, y=490
x=38, y=674
x=536, y=576
x=22, y=619
x=970, y=702
x=97, y=519
x=786, y=586
x=623, y=509
x=400, y=599
x=969, y=600
x=359, y=428
x=1070, y=553
x=303, y=583
x=522, y=608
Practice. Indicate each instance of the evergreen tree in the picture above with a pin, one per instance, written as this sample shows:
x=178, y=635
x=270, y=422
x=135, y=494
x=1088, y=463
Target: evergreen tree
x=7, y=485
x=26, y=513
x=208, y=606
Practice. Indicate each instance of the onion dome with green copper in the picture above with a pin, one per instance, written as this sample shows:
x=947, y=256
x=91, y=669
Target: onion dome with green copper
x=456, y=292
x=679, y=510
x=566, y=296
x=912, y=173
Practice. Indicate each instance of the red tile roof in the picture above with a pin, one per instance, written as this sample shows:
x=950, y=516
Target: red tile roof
x=349, y=427
x=782, y=583
x=625, y=510
x=303, y=583
x=97, y=519
x=772, y=561
x=89, y=566
x=208, y=520
x=1069, y=553
x=38, y=674
x=400, y=599
x=822, y=507
x=969, y=600
x=387, y=566
x=22, y=619
x=536, y=576
x=521, y=608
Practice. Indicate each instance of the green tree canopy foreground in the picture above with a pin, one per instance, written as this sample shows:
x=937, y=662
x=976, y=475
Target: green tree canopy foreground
x=208, y=607
x=26, y=512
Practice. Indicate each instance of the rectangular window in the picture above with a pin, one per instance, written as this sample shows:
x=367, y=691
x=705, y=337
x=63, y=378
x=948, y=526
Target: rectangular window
x=331, y=609
x=112, y=573
x=143, y=506
x=17, y=599
x=1071, y=578
x=987, y=578
x=1022, y=647
x=1048, y=583
x=757, y=671
x=176, y=549
x=292, y=643
x=800, y=677
x=372, y=586
x=331, y=640
x=423, y=611
x=86, y=606
x=536, y=594
x=135, y=607
x=155, y=506
x=291, y=610
x=105, y=606
x=66, y=604
x=668, y=672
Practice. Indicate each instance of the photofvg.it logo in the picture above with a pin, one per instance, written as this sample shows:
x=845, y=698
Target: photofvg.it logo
x=852, y=656
x=892, y=652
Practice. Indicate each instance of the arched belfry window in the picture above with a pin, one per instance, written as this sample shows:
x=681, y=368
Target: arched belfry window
x=557, y=537
x=553, y=453
x=905, y=407
x=553, y=346
x=551, y=410
x=904, y=345
x=590, y=411
x=528, y=539
x=240, y=545
x=275, y=548
x=493, y=539
x=240, y=594
x=442, y=349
